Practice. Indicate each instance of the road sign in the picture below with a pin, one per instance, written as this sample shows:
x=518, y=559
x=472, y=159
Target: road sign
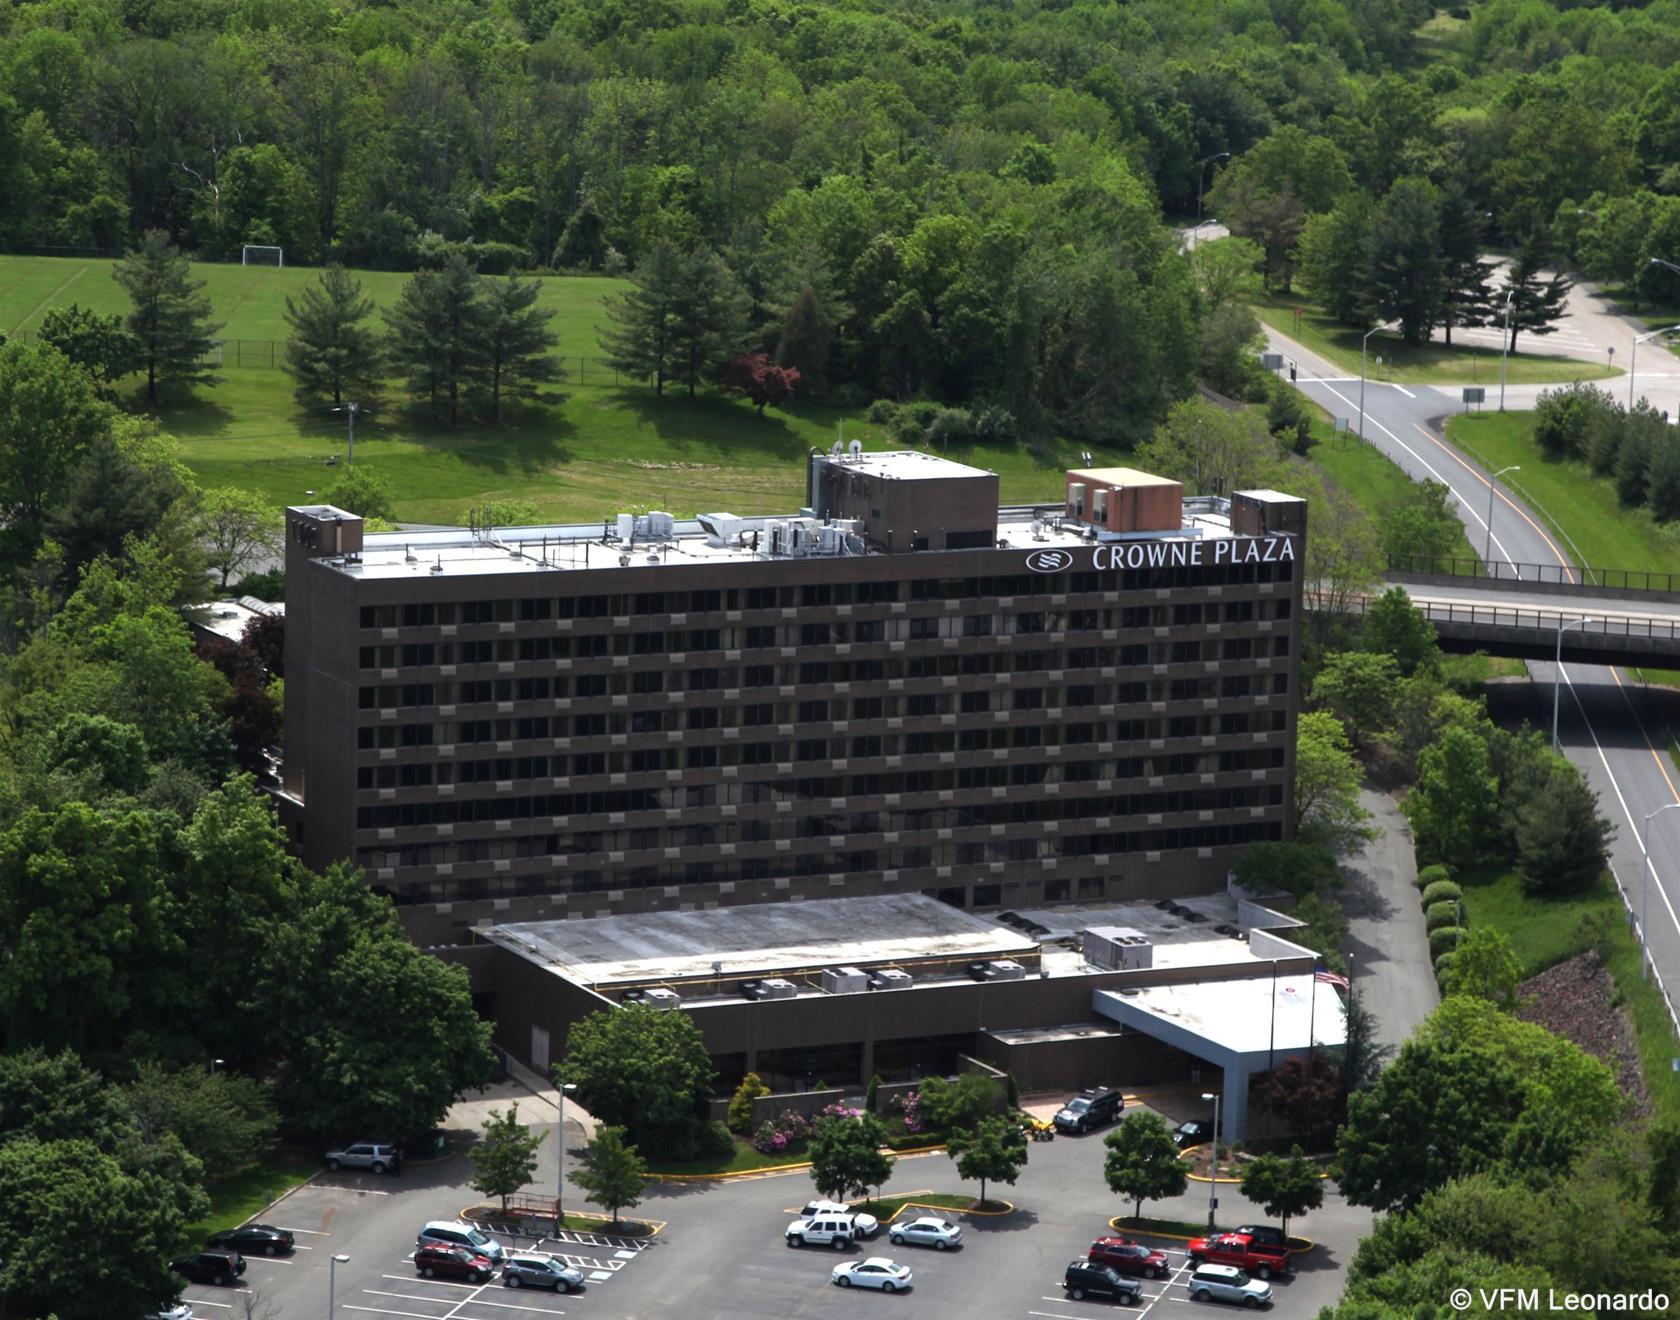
x=1340, y=424
x=1271, y=361
x=1475, y=394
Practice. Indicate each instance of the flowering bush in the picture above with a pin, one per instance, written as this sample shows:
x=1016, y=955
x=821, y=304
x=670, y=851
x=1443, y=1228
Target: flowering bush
x=910, y=1105
x=787, y=1131
x=839, y=1111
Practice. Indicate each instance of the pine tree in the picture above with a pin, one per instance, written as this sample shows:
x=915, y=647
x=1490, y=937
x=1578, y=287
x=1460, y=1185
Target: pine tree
x=1536, y=300
x=1662, y=479
x=582, y=244
x=1468, y=301
x=330, y=352
x=641, y=341
x=171, y=316
x=1408, y=270
x=806, y=340
x=437, y=331
x=518, y=345
x=710, y=324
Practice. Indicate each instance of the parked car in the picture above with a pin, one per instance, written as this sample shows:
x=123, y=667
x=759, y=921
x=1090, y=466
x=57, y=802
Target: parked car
x=1226, y=1283
x=453, y=1233
x=219, y=1267
x=876, y=1272
x=1090, y=1109
x=865, y=1226
x=1089, y=1278
x=822, y=1230
x=940, y=1234
x=540, y=1269
x=1266, y=1235
x=1130, y=1258
x=1193, y=1133
x=182, y=1312
x=1240, y=1250
x=438, y=1261
x=255, y=1239
x=377, y=1156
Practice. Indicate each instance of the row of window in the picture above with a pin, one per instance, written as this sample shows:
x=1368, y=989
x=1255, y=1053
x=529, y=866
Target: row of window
x=468, y=889
x=425, y=774
x=520, y=806
x=818, y=595
x=543, y=728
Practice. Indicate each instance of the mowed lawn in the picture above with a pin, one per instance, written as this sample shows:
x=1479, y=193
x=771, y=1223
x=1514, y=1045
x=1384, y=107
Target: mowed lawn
x=251, y=300
x=1423, y=364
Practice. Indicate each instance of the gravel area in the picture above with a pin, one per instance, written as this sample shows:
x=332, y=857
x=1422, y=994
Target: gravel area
x=1576, y=1000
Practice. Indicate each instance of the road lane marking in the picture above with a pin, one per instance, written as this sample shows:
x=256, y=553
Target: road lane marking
x=1403, y=390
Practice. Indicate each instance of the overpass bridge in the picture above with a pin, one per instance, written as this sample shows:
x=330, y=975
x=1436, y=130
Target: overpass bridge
x=1605, y=617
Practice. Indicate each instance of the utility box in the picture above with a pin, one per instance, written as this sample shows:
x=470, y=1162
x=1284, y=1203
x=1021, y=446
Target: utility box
x=844, y=980
x=1116, y=948
x=1124, y=500
x=1007, y=969
x=776, y=987
x=660, y=997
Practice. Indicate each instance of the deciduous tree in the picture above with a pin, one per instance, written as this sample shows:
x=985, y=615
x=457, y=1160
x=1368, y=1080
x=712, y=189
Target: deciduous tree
x=1484, y=965
x=96, y=342
x=505, y=1158
x=1285, y=1187
x=1142, y=1162
x=1327, y=779
x=613, y=1174
x=241, y=529
x=171, y=316
x=1453, y=806
x=846, y=1156
x=1357, y=687
x=1396, y=627
x=49, y=416
x=759, y=379
x=994, y=1150
x=639, y=1069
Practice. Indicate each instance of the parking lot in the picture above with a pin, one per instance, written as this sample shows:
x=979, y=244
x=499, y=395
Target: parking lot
x=722, y=1251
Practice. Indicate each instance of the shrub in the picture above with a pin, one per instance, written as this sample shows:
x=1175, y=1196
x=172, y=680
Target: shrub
x=700, y=1139
x=1442, y=891
x=1432, y=874
x=741, y=1103
x=909, y=1104
x=883, y=412
x=1444, y=939
x=1437, y=915
x=785, y=1133
x=1444, y=968
x=872, y=1095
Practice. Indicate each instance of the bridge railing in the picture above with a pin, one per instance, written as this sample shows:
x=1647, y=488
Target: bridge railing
x=1616, y=579
x=1510, y=616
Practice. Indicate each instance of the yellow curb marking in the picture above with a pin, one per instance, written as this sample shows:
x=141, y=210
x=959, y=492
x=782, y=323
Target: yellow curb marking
x=1119, y=1227
x=775, y=1168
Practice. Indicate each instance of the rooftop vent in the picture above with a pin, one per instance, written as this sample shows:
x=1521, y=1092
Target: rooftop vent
x=660, y=997
x=889, y=978
x=776, y=987
x=1116, y=948
x=844, y=980
x=1008, y=969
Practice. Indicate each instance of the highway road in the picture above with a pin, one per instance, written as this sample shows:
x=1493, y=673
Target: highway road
x=1613, y=727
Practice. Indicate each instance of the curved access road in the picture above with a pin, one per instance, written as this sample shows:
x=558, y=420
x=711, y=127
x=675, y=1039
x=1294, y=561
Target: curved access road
x=1614, y=728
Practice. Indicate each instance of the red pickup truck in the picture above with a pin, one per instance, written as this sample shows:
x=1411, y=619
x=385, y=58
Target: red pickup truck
x=1241, y=1250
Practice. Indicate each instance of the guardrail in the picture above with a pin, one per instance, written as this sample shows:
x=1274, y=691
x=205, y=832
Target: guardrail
x=1509, y=616
x=1649, y=962
x=1619, y=579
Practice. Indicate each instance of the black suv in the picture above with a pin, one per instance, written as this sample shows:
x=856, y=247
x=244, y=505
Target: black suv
x=1090, y=1109
x=1265, y=1235
x=223, y=1267
x=1089, y=1278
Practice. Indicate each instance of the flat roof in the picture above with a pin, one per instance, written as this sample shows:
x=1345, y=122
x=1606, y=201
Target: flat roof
x=905, y=465
x=230, y=618
x=1122, y=476
x=757, y=939
x=1249, y=1015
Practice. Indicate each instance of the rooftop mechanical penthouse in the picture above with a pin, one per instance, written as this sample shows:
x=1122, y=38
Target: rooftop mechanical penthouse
x=904, y=688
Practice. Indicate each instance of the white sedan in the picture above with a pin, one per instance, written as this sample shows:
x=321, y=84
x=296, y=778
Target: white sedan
x=876, y=1272
x=927, y=1232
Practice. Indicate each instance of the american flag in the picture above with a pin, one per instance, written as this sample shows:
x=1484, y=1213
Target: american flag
x=1330, y=978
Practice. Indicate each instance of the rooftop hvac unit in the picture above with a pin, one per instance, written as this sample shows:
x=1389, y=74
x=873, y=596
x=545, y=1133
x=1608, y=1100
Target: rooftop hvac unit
x=776, y=987
x=626, y=526
x=1099, y=505
x=830, y=540
x=721, y=528
x=660, y=997
x=662, y=525
x=844, y=980
x=1076, y=498
x=1008, y=969
x=889, y=978
x=1116, y=948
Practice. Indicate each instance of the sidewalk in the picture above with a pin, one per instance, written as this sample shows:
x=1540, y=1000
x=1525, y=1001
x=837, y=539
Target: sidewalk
x=1387, y=945
x=538, y=1101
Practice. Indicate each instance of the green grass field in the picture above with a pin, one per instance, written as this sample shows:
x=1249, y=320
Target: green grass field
x=251, y=300
x=1426, y=364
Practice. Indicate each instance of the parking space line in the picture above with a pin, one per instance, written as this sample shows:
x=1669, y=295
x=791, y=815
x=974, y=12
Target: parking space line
x=313, y=1232
x=226, y=1306
x=466, y=1301
x=1057, y=1315
x=436, y=1283
x=381, y=1310
x=410, y=1297
x=514, y=1306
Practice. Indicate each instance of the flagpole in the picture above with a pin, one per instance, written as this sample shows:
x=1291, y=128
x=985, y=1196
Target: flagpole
x=1271, y=1053
x=1312, y=1010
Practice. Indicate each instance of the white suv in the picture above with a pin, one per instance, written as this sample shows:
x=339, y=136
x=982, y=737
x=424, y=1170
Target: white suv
x=867, y=1226
x=1226, y=1283
x=823, y=1230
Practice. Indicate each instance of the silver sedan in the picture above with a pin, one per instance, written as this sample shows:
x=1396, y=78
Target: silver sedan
x=876, y=1272
x=927, y=1232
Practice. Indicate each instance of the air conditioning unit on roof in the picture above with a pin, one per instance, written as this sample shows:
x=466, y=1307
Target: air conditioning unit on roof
x=660, y=997
x=844, y=980
x=776, y=987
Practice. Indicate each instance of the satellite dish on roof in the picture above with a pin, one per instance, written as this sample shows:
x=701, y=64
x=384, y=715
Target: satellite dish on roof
x=836, y=449
x=857, y=448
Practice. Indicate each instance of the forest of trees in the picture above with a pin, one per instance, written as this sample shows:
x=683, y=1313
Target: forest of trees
x=948, y=199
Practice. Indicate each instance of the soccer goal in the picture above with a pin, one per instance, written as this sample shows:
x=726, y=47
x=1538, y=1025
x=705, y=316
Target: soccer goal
x=256, y=254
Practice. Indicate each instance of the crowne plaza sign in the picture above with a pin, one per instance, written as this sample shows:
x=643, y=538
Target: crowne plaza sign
x=1166, y=554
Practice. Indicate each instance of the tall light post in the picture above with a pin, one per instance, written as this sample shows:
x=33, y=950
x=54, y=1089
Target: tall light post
x=1633, y=362
x=1557, y=676
x=1505, y=346
x=351, y=409
x=560, y=1159
x=1645, y=896
x=332, y=1283
x=1362, y=343
x=1201, y=176
x=1195, y=231
x=1487, y=550
x=1213, y=1169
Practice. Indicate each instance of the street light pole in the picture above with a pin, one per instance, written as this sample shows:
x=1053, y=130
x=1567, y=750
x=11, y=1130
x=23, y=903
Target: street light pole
x=332, y=1283
x=1362, y=343
x=1645, y=895
x=1213, y=1170
x=1557, y=676
x=1487, y=550
x=1633, y=362
x=351, y=409
x=1505, y=347
x=560, y=1159
x=1201, y=177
